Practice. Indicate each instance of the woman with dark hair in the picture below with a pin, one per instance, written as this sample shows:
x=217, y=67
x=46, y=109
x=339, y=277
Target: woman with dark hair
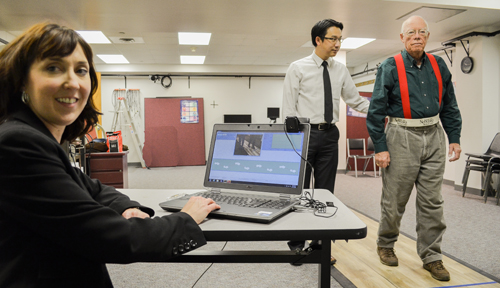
x=58, y=226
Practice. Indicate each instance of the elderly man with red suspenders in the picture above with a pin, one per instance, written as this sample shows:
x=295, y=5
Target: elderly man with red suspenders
x=415, y=91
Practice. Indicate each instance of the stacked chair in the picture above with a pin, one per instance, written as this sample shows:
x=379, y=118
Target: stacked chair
x=487, y=163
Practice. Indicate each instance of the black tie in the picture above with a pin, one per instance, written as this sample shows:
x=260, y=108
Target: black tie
x=328, y=93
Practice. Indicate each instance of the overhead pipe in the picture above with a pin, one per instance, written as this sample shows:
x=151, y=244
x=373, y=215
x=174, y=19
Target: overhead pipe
x=162, y=76
x=364, y=71
x=471, y=34
x=190, y=75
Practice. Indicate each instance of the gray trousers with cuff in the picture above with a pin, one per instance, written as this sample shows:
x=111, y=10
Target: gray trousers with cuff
x=418, y=156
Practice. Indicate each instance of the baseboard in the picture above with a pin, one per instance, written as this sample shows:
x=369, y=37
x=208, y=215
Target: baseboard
x=469, y=190
x=448, y=182
x=134, y=164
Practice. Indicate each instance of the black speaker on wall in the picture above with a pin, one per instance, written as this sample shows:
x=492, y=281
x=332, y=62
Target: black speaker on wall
x=237, y=118
x=273, y=113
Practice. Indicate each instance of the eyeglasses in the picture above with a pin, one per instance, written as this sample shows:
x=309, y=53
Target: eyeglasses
x=422, y=32
x=335, y=39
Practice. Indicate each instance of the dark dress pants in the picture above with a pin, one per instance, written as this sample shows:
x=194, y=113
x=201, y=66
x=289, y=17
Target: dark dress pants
x=323, y=155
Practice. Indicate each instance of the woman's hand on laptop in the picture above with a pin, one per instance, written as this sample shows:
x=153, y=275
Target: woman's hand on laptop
x=198, y=208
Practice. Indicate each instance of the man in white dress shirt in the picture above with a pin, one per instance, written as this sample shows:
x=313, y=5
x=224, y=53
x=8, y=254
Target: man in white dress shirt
x=304, y=96
x=313, y=87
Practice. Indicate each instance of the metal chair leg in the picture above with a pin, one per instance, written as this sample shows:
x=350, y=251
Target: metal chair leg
x=365, y=165
x=356, y=166
x=367, y=161
x=466, y=170
x=465, y=179
x=486, y=183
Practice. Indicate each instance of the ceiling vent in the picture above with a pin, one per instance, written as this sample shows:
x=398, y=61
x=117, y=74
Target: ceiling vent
x=126, y=40
x=432, y=14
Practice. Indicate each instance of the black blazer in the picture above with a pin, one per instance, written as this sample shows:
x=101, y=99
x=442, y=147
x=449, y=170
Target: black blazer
x=58, y=227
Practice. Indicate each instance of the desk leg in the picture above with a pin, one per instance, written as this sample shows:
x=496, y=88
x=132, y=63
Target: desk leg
x=324, y=266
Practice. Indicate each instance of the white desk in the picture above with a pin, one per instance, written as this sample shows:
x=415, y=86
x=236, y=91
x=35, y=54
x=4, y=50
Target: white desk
x=298, y=225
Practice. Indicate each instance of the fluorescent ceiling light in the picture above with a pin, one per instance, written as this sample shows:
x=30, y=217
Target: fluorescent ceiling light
x=94, y=37
x=113, y=59
x=354, y=43
x=192, y=59
x=186, y=38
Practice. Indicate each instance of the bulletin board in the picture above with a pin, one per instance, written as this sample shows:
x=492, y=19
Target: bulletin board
x=174, y=132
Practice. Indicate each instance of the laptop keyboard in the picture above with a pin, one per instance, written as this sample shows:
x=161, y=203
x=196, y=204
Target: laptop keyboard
x=246, y=201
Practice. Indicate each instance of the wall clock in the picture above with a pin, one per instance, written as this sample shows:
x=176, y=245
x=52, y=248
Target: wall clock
x=466, y=65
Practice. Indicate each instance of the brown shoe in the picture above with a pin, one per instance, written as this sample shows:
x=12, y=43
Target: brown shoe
x=387, y=256
x=437, y=270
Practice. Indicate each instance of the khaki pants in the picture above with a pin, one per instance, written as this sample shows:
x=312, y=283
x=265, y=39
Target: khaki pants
x=418, y=156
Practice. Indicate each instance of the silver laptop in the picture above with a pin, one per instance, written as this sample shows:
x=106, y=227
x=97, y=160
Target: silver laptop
x=255, y=172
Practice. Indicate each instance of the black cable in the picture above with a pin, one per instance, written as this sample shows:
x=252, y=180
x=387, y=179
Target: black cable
x=308, y=197
x=307, y=201
x=166, y=85
x=207, y=268
x=308, y=163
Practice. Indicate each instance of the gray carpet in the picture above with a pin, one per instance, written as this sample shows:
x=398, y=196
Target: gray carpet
x=472, y=237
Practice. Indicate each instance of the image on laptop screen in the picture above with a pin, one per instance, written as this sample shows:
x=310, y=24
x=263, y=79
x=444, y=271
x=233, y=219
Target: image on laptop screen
x=257, y=159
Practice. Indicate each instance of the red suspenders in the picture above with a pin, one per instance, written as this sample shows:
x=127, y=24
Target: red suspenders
x=438, y=75
x=403, y=82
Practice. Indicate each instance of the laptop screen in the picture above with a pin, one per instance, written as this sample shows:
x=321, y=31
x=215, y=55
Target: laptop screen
x=257, y=157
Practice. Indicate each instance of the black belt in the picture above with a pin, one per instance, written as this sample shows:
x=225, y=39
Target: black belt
x=322, y=126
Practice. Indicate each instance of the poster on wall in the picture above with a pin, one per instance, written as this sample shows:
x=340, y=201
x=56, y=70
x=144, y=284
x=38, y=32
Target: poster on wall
x=354, y=113
x=189, y=111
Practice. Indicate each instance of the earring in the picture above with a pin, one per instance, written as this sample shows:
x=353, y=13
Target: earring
x=25, y=98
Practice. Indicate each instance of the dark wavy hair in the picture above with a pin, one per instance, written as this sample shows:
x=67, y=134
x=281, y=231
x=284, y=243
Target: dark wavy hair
x=320, y=28
x=38, y=43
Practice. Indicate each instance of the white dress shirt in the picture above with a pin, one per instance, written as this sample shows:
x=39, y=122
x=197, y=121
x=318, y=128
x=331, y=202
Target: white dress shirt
x=303, y=92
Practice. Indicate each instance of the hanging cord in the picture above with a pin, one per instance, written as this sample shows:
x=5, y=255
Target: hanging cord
x=117, y=94
x=114, y=99
x=307, y=198
x=303, y=159
x=134, y=102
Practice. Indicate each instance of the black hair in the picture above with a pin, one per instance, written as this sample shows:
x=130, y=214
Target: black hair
x=320, y=28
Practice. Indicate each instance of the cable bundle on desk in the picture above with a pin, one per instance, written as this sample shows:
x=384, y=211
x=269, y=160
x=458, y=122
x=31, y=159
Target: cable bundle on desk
x=308, y=201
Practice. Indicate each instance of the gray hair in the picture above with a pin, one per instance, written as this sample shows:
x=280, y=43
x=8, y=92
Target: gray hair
x=406, y=21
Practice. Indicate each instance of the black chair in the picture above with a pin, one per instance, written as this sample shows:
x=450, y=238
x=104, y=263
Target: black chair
x=493, y=167
x=355, y=144
x=487, y=163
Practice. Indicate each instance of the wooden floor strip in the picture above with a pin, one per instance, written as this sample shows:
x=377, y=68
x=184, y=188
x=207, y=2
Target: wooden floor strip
x=358, y=261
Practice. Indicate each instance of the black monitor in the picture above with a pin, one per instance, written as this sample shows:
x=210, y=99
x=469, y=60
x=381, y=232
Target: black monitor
x=273, y=113
x=237, y=118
